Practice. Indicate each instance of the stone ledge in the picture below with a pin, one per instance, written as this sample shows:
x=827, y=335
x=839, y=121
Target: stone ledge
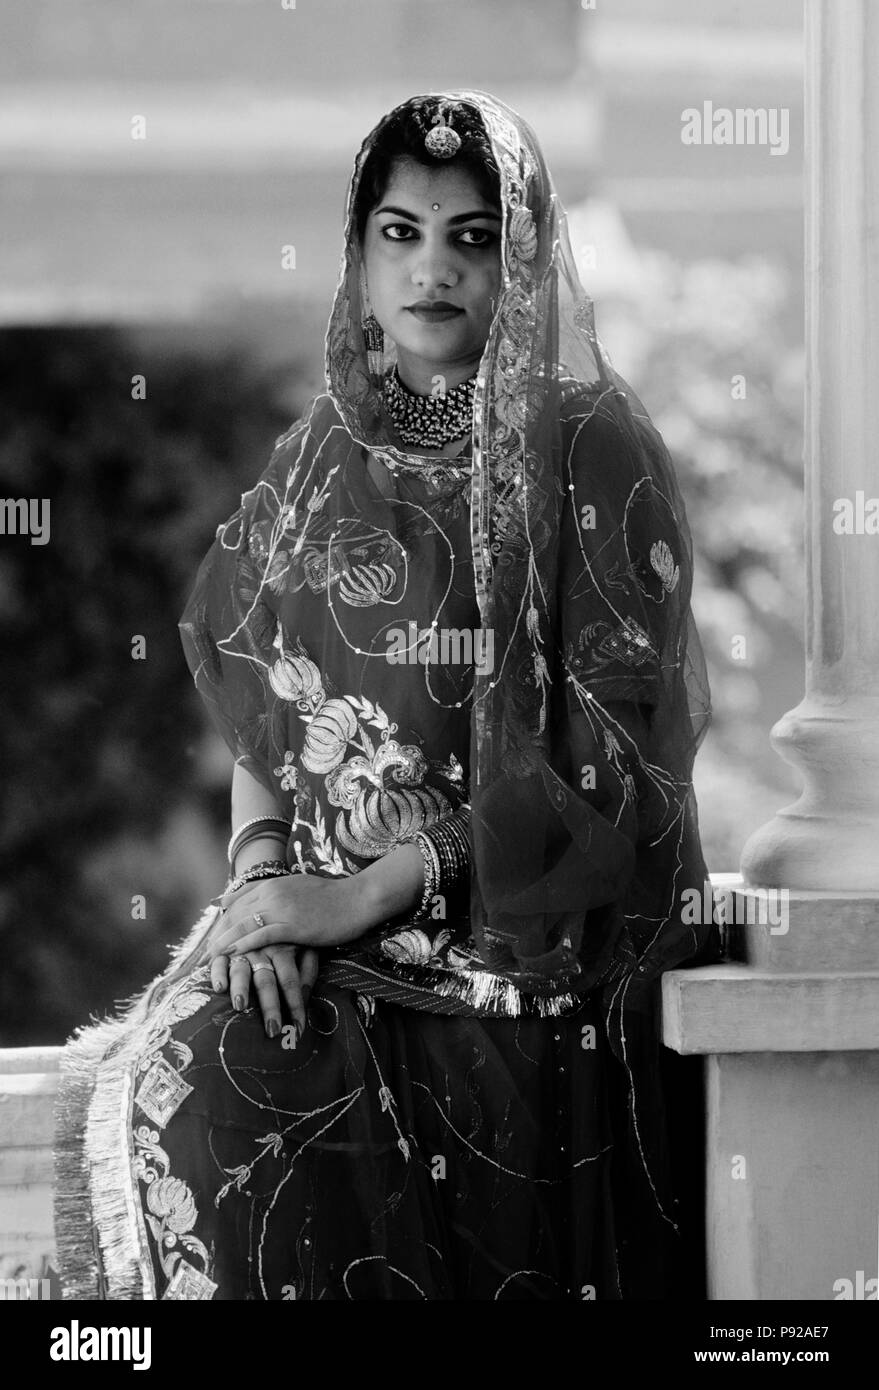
x=798, y=931
x=29, y=1059
x=738, y=1008
x=28, y=1084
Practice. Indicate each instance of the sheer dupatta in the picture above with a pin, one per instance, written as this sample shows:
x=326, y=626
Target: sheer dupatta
x=584, y=828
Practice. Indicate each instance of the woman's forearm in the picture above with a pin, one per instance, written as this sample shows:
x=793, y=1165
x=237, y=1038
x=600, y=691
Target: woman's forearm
x=249, y=799
x=394, y=883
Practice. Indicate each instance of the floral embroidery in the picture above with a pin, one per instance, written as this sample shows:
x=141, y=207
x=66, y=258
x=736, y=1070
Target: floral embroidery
x=380, y=789
x=628, y=643
x=172, y=1200
x=365, y=1006
x=523, y=234
x=329, y=732
x=171, y=1213
x=414, y=947
x=294, y=677
x=663, y=562
x=365, y=585
x=170, y=1208
x=288, y=774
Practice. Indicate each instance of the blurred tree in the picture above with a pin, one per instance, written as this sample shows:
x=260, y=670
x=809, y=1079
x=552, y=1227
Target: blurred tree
x=99, y=750
x=714, y=349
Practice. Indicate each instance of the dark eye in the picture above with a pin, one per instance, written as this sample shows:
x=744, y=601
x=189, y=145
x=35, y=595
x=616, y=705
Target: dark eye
x=483, y=232
x=397, y=227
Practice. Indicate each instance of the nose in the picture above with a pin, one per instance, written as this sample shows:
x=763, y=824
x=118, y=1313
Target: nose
x=433, y=268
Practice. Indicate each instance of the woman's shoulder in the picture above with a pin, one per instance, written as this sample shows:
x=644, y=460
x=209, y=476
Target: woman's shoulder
x=303, y=436
x=578, y=398
x=589, y=413
x=607, y=413
x=318, y=416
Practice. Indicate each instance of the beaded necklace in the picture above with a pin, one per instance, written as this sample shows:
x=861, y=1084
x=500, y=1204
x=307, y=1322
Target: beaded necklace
x=428, y=421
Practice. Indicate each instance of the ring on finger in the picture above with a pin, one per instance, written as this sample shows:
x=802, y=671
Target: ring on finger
x=262, y=965
x=259, y=919
x=238, y=960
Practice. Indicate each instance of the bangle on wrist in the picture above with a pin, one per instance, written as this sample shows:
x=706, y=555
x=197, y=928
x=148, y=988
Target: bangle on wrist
x=431, y=873
x=257, y=828
x=266, y=868
x=445, y=848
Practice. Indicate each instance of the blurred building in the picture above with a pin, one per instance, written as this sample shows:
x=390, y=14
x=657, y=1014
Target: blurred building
x=253, y=113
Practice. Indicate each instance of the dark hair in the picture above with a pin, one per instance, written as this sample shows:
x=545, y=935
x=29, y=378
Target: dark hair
x=403, y=138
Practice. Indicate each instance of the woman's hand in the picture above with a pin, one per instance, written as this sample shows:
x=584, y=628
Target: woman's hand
x=280, y=922
x=293, y=910
x=287, y=972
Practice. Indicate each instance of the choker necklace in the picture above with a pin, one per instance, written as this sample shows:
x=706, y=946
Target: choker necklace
x=430, y=421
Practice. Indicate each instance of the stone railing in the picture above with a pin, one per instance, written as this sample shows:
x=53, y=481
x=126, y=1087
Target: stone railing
x=792, y=1084
x=28, y=1083
x=791, y=1041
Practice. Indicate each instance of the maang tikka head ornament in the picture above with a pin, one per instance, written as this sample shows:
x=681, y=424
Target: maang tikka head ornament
x=442, y=141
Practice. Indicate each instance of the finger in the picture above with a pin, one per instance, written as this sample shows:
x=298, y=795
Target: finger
x=309, y=965
x=233, y=924
x=239, y=982
x=245, y=930
x=220, y=974
x=272, y=934
x=265, y=982
x=227, y=939
x=287, y=973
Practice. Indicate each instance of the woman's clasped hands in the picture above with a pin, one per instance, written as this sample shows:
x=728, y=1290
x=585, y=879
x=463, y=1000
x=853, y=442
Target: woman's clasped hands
x=267, y=938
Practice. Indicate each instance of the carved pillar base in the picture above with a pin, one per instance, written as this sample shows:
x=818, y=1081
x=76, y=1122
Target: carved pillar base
x=829, y=838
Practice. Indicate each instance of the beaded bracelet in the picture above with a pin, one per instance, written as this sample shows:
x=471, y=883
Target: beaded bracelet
x=255, y=829
x=266, y=868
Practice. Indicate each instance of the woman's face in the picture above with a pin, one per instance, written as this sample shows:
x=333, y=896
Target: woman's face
x=433, y=237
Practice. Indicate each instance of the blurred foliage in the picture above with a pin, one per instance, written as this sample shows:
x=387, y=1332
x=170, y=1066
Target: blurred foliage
x=714, y=350
x=100, y=751
x=112, y=786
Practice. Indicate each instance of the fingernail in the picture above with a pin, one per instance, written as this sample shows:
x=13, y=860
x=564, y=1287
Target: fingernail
x=273, y=1027
x=218, y=987
x=238, y=1001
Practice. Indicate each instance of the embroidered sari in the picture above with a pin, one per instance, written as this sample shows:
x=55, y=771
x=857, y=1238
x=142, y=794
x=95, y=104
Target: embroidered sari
x=476, y=1108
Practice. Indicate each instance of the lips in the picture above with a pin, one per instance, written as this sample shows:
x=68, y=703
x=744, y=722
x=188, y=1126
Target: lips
x=437, y=312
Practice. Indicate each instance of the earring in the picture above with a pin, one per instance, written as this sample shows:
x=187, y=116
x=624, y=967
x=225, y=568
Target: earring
x=373, y=337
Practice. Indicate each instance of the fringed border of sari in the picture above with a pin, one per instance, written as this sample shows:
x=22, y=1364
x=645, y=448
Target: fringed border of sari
x=100, y=1239
x=462, y=991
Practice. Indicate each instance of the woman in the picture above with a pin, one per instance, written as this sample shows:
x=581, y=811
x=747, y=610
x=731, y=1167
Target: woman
x=412, y=1050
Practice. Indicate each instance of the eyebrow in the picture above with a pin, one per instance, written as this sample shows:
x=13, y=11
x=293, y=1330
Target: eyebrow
x=453, y=221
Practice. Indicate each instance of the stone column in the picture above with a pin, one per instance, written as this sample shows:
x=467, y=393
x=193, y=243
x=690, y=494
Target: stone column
x=790, y=1031
x=829, y=838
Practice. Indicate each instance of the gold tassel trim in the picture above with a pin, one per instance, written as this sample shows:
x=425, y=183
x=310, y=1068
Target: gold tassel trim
x=101, y=1244
x=435, y=991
